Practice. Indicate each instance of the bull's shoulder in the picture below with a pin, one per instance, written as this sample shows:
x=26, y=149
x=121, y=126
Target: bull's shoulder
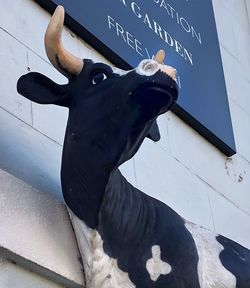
x=126, y=211
x=140, y=231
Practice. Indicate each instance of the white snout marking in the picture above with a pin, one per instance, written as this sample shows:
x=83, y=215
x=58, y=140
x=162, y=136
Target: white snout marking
x=147, y=67
x=120, y=71
x=150, y=67
x=155, y=266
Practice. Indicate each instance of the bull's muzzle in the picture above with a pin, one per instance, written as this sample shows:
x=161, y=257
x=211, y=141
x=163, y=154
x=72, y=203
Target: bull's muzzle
x=150, y=67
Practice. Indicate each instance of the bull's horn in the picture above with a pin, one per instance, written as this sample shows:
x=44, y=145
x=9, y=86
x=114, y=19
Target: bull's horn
x=160, y=56
x=61, y=59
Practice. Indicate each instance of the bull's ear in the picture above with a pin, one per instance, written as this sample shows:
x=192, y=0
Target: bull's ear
x=42, y=90
x=154, y=133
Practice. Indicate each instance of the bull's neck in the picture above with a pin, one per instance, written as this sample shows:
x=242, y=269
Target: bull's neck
x=86, y=171
x=89, y=157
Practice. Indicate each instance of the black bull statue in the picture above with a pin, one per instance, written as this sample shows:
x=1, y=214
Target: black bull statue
x=127, y=239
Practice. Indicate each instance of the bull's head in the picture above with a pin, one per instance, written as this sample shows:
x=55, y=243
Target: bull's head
x=110, y=110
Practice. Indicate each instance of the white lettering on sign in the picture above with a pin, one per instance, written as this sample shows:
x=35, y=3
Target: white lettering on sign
x=136, y=9
x=124, y=2
x=160, y=31
x=128, y=38
x=137, y=45
x=180, y=20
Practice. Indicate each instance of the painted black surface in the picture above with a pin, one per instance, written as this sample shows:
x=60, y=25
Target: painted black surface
x=203, y=99
x=107, y=123
x=144, y=221
x=154, y=133
x=116, y=122
x=108, y=120
x=106, y=126
x=236, y=259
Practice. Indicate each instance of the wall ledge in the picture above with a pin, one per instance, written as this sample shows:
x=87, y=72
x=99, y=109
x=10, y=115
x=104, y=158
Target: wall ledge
x=36, y=233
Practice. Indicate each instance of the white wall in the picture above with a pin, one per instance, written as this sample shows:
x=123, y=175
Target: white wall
x=183, y=170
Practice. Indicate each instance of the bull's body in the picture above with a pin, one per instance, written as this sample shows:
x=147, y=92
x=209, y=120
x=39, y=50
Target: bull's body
x=130, y=223
x=128, y=239
x=116, y=252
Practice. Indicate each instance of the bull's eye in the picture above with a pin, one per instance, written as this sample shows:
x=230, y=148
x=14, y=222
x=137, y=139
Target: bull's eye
x=99, y=77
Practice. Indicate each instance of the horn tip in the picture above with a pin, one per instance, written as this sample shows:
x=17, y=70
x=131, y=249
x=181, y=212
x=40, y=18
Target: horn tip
x=59, y=8
x=59, y=13
x=160, y=56
x=162, y=53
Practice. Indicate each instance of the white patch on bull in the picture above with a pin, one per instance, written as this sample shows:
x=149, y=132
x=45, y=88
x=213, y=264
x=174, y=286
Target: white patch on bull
x=116, y=70
x=101, y=271
x=212, y=274
x=147, y=67
x=155, y=266
x=150, y=67
x=120, y=71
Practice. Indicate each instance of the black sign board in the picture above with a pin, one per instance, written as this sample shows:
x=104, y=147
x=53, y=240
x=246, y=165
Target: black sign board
x=127, y=31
